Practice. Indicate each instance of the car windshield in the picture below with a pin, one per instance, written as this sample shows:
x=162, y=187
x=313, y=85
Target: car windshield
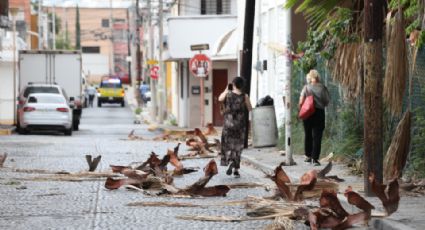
x=46, y=99
x=40, y=89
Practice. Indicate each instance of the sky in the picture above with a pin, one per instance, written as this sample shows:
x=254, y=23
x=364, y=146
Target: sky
x=89, y=3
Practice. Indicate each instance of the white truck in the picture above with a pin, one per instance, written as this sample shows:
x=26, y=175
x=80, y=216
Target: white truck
x=56, y=67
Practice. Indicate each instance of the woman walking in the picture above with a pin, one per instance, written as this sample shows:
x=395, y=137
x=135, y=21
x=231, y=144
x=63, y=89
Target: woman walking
x=236, y=105
x=315, y=124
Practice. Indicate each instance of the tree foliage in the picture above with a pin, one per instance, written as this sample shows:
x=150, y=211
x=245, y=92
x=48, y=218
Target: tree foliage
x=77, y=30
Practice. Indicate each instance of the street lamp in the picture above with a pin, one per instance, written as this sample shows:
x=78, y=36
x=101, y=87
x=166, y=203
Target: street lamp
x=13, y=12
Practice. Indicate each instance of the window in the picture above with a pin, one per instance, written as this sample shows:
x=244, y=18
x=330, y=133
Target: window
x=209, y=7
x=105, y=23
x=91, y=49
x=36, y=89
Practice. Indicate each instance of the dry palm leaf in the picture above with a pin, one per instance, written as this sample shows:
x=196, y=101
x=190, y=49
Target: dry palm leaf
x=357, y=200
x=163, y=204
x=2, y=159
x=330, y=200
x=231, y=218
x=397, y=69
x=281, y=222
x=93, y=162
x=347, y=68
x=210, y=130
x=307, y=183
x=397, y=153
x=73, y=177
x=389, y=194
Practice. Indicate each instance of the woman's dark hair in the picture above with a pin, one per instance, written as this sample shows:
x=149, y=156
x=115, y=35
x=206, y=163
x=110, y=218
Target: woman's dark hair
x=238, y=82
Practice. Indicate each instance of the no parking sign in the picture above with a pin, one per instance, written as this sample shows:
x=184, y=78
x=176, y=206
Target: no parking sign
x=154, y=72
x=200, y=65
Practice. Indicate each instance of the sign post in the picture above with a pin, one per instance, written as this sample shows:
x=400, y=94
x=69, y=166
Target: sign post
x=200, y=67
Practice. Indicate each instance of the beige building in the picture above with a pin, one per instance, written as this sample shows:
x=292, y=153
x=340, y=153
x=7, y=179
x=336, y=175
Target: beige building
x=96, y=44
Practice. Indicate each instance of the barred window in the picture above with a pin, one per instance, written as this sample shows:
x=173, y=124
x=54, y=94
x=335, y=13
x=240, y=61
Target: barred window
x=209, y=7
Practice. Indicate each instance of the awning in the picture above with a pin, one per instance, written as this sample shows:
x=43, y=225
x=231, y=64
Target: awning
x=226, y=47
x=184, y=31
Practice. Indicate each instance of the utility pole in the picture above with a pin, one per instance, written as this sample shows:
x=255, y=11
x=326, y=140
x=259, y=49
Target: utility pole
x=162, y=75
x=373, y=108
x=128, y=48
x=111, y=53
x=246, y=67
x=287, y=103
x=154, y=109
x=40, y=32
x=54, y=25
x=138, y=54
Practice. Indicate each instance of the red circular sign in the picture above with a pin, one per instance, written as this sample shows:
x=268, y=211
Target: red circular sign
x=154, y=72
x=200, y=65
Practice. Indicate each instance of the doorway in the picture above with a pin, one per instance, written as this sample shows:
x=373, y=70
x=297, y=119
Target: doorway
x=219, y=83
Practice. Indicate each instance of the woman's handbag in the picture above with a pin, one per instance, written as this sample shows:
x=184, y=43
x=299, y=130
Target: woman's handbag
x=307, y=108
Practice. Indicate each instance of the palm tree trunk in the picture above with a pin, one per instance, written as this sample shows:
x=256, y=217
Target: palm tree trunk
x=373, y=86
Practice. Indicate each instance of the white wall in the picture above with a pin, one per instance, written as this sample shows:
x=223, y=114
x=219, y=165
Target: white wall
x=273, y=28
x=95, y=64
x=6, y=94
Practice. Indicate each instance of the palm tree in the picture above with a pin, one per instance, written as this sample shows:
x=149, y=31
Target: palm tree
x=318, y=13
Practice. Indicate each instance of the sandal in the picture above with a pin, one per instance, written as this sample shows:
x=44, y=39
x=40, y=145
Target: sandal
x=229, y=170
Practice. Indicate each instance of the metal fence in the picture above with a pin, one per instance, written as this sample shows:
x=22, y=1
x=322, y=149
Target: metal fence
x=344, y=118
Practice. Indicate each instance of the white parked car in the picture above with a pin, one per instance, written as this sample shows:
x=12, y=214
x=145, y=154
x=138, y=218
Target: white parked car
x=46, y=111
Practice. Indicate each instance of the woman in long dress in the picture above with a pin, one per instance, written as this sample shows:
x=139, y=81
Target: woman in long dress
x=236, y=104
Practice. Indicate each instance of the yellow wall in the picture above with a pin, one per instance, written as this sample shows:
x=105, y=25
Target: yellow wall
x=168, y=87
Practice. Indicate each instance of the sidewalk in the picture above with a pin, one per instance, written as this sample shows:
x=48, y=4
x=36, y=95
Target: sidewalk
x=408, y=216
x=6, y=129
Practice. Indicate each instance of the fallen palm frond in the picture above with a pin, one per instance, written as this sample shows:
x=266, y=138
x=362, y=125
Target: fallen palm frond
x=210, y=130
x=397, y=153
x=397, y=67
x=230, y=218
x=388, y=194
x=357, y=200
x=322, y=174
x=163, y=204
x=93, y=162
x=2, y=159
x=264, y=207
x=73, y=177
x=347, y=68
x=195, y=155
x=246, y=185
x=39, y=171
x=283, y=183
x=184, y=204
x=281, y=222
x=198, y=188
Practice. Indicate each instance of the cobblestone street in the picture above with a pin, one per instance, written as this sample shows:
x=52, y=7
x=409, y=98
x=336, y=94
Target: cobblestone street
x=28, y=203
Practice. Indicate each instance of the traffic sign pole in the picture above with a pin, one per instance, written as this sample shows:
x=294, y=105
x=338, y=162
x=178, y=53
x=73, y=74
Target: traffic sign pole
x=202, y=103
x=200, y=66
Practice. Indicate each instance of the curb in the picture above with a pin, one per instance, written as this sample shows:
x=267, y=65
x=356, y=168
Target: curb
x=6, y=131
x=375, y=223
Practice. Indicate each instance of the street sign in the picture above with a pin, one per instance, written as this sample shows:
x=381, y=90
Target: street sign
x=200, y=47
x=200, y=65
x=154, y=72
x=152, y=62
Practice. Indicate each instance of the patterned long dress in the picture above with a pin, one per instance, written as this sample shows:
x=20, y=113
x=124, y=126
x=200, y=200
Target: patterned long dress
x=232, y=137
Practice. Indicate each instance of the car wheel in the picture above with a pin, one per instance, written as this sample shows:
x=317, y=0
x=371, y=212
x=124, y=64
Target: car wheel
x=68, y=132
x=23, y=131
x=99, y=104
x=122, y=104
